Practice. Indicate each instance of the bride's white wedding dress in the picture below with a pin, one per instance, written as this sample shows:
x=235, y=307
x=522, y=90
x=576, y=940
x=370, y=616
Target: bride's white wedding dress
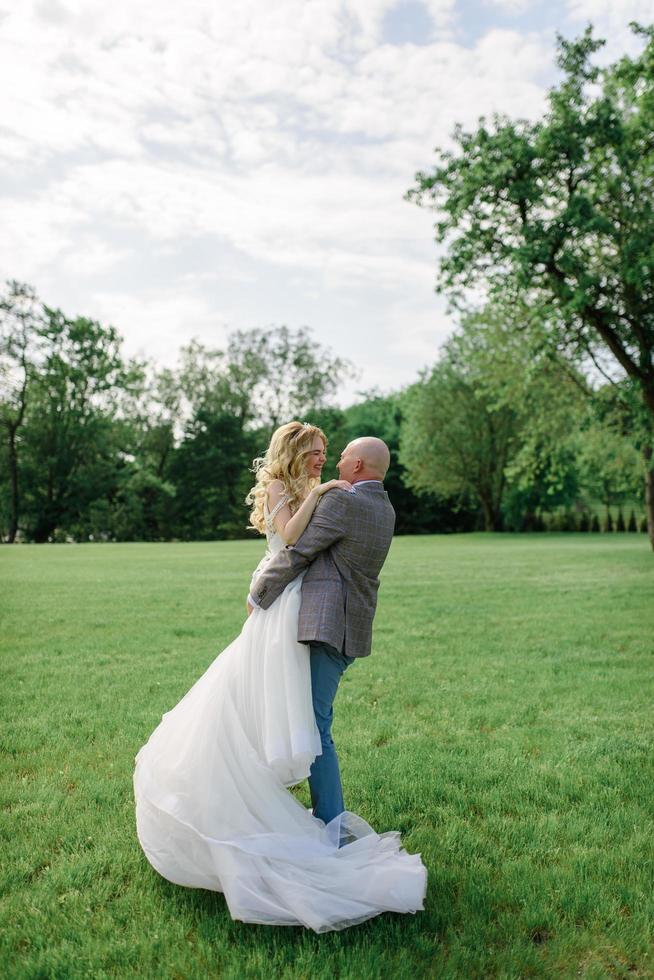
x=212, y=808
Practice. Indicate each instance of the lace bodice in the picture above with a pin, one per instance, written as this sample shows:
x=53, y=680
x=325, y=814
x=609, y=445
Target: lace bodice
x=275, y=540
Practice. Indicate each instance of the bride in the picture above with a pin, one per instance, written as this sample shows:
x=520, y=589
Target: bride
x=212, y=805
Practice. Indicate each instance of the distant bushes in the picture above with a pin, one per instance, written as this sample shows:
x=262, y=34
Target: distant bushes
x=584, y=521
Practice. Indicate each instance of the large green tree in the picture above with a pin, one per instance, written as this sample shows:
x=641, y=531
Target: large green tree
x=561, y=210
x=70, y=454
x=517, y=366
x=210, y=472
x=497, y=412
x=455, y=441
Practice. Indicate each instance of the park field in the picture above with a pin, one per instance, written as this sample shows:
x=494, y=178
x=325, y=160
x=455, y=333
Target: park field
x=503, y=724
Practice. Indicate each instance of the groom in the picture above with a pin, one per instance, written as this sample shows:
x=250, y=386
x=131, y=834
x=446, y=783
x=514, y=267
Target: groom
x=344, y=547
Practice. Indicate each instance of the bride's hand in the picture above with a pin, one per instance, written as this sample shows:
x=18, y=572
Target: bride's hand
x=331, y=485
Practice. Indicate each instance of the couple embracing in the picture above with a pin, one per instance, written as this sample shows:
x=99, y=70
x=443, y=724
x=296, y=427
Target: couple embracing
x=213, y=808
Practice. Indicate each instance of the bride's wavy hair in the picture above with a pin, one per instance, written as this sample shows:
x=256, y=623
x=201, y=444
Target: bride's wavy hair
x=285, y=460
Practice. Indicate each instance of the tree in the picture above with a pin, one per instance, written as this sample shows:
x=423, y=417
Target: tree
x=210, y=472
x=610, y=465
x=295, y=374
x=20, y=348
x=138, y=510
x=69, y=441
x=264, y=377
x=454, y=442
x=505, y=348
x=147, y=408
x=383, y=416
x=231, y=400
x=507, y=407
x=562, y=212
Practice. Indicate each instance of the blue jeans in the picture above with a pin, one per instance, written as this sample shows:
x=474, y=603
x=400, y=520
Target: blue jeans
x=327, y=668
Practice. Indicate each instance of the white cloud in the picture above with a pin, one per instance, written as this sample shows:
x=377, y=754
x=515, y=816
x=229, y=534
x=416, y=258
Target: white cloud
x=90, y=257
x=443, y=14
x=34, y=234
x=173, y=78
x=511, y=6
x=157, y=324
x=610, y=20
x=609, y=11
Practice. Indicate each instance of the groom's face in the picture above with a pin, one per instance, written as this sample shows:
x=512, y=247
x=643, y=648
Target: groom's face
x=347, y=464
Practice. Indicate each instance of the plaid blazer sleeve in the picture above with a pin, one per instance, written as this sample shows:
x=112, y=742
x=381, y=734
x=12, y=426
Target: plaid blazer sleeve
x=327, y=526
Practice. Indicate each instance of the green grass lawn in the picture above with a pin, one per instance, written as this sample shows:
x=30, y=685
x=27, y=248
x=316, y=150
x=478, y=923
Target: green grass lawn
x=503, y=723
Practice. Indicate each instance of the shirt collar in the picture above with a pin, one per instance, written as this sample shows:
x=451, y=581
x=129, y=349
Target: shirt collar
x=360, y=483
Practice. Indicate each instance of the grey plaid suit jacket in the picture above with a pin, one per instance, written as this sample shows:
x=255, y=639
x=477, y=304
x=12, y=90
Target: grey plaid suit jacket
x=344, y=546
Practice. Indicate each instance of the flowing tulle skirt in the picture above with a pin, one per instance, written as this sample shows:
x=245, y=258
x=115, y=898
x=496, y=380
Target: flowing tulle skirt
x=213, y=811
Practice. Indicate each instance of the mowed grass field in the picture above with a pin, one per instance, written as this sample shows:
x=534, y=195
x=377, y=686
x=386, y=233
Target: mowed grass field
x=503, y=724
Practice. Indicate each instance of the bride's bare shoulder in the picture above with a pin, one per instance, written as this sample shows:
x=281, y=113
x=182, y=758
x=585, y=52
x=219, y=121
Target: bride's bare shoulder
x=276, y=491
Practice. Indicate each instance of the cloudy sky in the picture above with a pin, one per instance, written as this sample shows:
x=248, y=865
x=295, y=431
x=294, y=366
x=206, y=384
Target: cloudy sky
x=180, y=169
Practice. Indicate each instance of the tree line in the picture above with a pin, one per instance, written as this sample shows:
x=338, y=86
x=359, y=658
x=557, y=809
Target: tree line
x=95, y=446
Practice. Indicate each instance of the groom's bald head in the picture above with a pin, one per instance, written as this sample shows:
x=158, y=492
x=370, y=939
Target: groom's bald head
x=366, y=458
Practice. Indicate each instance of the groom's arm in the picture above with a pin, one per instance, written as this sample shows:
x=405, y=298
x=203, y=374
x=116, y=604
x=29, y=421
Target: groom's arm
x=327, y=526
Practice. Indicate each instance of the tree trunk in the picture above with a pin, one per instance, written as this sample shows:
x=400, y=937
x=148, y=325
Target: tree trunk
x=648, y=452
x=649, y=492
x=44, y=529
x=47, y=519
x=13, y=474
x=491, y=519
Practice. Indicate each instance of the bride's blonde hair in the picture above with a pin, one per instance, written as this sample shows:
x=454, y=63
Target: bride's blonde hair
x=285, y=460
